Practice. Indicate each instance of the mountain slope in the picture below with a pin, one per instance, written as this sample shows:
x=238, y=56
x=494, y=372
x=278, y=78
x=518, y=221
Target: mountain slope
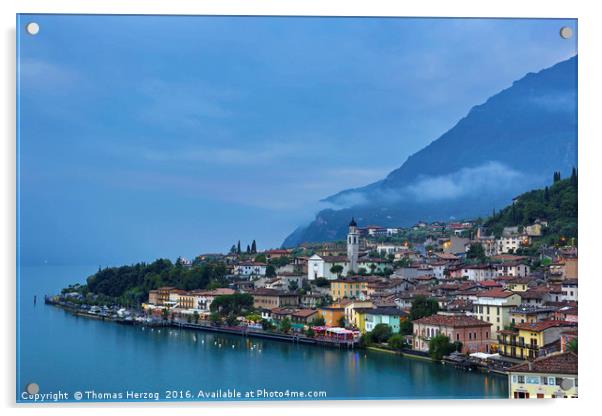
x=509, y=144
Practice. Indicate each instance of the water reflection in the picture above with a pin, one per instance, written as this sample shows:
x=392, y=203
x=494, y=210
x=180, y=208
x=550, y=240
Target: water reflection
x=60, y=351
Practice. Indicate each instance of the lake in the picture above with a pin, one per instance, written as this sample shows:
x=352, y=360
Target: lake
x=107, y=361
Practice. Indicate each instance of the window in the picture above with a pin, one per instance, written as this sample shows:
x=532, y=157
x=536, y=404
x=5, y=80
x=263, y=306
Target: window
x=533, y=380
x=521, y=379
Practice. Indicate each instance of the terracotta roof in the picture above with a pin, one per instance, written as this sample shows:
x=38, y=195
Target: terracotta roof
x=542, y=325
x=490, y=283
x=455, y=321
x=563, y=363
x=495, y=293
x=304, y=313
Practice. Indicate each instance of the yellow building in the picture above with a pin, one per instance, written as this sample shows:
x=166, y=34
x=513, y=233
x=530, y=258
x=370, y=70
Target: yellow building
x=348, y=287
x=494, y=306
x=519, y=285
x=553, y=376
x=352, y=317
x=531, y=340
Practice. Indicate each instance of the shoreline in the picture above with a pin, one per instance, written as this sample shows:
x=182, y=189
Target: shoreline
x=255, y=333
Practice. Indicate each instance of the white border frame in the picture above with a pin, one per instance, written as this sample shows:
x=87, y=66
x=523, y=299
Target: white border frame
x=590, y=68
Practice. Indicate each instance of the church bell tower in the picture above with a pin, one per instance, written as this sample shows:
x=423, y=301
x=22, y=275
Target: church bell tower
x=353, y=246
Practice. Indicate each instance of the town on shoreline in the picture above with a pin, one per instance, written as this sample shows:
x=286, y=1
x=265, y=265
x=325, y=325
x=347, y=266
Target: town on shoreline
x=479, y=294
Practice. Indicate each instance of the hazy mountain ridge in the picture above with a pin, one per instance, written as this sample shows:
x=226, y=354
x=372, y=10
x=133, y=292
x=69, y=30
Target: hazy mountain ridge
x=507, y=145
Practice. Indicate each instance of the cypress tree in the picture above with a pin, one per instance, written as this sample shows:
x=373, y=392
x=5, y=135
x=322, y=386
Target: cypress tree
x=238, y=247
x=574, y=177
x=546, y=194
x=253, y=247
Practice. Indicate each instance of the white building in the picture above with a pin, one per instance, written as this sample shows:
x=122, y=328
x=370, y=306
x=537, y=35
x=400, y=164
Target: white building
x=511, y=243
x=514, y=268
x=478, y=273
x=319, y=266
x=389, y=248
x=250, y=269
x=569, y=290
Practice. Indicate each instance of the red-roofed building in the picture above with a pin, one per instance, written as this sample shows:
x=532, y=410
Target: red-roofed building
x=473, y=333
x=545, y=378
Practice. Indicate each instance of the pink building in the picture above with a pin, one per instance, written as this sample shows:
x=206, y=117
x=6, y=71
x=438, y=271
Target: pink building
x=471, y=332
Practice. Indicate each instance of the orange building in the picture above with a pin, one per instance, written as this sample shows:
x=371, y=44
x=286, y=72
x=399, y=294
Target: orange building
x=333, y=313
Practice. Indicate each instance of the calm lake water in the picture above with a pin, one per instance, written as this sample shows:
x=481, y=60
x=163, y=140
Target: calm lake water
x=61, y=352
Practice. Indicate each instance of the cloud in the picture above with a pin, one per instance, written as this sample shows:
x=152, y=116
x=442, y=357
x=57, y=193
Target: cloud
x=483, y=178
x=487, y=177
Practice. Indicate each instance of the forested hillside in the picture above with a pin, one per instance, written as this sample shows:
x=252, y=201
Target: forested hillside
x=556, y=204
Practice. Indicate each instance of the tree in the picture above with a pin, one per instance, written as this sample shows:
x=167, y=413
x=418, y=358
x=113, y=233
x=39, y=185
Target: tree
x=366, y=340
x=406, y=327
x=238, y=247
x=372, y=267
x=476, y=252
x=270, y=271
x=336, y=269
x=573, y=345
x=253, y=317
x=381, y=333
x=266, y=325
x=253, y=247
x=195, y=317
x=261, y=258
x=423, y=306
x=237, y=304
x=341, y=322
x=233, y=249
x=397, y=342
x=285, y=325
x=310, y=333
x=322, y=282
x=439, y=346
x=248, y=249
x=231, y=320
x=214, y=318
x=574, y=178
x=319, y=321
x=546, y=194
x=293, y=286
x=165, y=313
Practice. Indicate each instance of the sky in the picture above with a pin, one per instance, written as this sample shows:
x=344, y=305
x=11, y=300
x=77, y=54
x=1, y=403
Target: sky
x=142, y=137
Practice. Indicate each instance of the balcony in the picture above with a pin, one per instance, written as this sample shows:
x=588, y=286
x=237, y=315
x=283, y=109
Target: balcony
x=511, y=342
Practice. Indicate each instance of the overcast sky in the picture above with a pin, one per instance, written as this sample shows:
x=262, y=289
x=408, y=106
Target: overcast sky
x=145, y=137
